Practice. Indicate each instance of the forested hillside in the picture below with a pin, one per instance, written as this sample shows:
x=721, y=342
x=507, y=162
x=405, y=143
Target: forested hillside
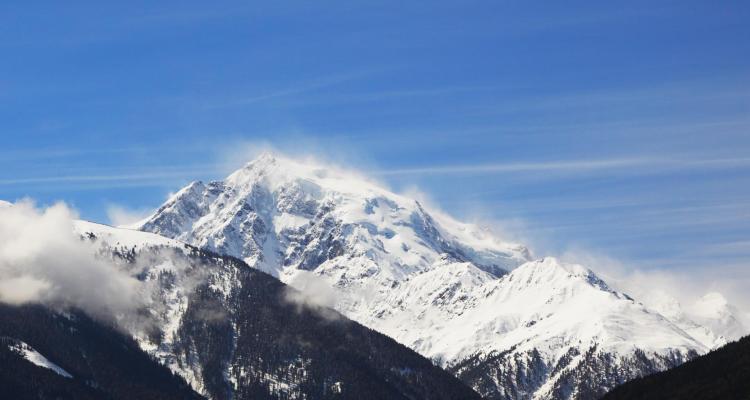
x=721, y=374
x=95, y=360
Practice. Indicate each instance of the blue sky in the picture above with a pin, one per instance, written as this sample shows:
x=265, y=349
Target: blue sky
x=618, y=128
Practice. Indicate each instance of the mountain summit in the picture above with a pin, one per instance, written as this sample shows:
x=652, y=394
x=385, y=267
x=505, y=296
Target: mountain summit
x=281, y=216
x=506, y=324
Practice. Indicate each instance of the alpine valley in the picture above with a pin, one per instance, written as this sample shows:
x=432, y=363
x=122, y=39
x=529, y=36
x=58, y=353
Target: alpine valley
x=294, y=280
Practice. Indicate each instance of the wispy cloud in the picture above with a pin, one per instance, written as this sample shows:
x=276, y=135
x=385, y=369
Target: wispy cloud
x=55, y=153
x=392, y=95
x=577, y=165
x=300, y=88
x=160, y=173
x=652, y=165
x=674, y=93
x=90, y=178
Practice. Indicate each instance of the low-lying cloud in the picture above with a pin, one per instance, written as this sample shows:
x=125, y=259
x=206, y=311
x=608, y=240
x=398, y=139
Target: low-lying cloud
x=43, y=261
x=306, y=289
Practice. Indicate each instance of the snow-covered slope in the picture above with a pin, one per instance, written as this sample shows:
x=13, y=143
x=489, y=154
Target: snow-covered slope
x=36, y=358
x=121, y=237
x=276, y=213
x=711, y=319
x=234, y=332
x=543, y=303
x=435, y=284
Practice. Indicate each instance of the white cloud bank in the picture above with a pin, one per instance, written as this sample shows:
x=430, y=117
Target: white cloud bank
x=306, y=289
x=43, y=261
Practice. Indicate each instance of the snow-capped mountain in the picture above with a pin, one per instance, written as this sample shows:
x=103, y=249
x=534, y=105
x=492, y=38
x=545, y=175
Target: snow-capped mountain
x=714, y=312
x=508, y=325
x=281, y=216
x=711, y=319
x=234, y=332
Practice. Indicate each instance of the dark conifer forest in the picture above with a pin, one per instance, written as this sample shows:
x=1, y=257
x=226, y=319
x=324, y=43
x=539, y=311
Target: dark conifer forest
x=721, y=374
x=104, y=363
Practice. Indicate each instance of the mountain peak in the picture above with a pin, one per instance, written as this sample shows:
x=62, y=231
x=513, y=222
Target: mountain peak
x=553, y=265
x=266, y=156
x=262, y=212
x=551, y=272
x=264, y=159
x=276, y=170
